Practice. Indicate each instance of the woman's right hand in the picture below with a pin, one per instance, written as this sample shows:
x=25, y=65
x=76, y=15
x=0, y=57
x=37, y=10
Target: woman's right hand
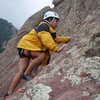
x=61, y=48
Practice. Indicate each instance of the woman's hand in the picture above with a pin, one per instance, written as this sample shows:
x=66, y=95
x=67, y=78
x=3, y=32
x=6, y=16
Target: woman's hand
x=61, y=48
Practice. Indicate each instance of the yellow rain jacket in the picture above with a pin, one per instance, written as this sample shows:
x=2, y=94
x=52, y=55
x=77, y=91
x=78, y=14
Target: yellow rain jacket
x=42, y=38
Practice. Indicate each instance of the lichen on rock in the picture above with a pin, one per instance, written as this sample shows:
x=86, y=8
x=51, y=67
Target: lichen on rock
x=97, y=97
x=38, y=92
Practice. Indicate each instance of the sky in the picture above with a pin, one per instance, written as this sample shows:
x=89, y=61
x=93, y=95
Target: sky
x=18, y=11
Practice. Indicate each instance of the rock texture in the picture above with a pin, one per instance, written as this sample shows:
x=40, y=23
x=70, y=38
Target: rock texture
x=74, y=74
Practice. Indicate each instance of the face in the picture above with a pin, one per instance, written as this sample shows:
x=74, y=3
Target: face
x=55, y=23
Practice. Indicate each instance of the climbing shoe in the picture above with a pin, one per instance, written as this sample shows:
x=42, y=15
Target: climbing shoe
x=7, y=94
x=27, y=77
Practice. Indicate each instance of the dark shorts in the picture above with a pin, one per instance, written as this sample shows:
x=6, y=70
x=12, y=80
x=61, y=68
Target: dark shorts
x=22, y=55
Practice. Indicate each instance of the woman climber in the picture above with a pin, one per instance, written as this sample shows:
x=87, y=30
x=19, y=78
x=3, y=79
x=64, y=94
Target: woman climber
x=37, y=46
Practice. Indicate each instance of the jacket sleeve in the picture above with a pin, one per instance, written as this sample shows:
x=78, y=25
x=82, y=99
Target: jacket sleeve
x=62, y=39
x=47, y=40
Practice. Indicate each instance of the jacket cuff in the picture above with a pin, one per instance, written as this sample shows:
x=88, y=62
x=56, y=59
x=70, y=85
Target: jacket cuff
x=68, y=39
x=55, y=49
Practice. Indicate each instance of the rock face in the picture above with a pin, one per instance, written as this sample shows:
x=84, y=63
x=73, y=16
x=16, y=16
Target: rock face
x=74, y=74
x=7, y=31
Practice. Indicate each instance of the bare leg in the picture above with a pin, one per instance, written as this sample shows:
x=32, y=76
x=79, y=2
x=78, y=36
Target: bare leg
x=24, y=62
x=38, y=58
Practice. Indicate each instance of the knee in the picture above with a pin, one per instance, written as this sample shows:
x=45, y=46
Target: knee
x=41, y=57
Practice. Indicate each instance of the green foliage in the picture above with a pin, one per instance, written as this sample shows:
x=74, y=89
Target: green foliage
x=7, y=30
